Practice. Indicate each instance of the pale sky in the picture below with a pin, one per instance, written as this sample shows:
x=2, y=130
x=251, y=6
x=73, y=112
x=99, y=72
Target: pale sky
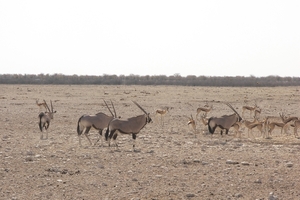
x=209, y=37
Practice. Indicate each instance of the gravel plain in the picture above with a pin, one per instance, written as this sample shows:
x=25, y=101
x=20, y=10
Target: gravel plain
x=170, y=161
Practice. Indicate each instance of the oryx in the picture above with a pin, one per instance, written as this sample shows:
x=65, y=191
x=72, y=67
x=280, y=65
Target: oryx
x=224, y=122
x=45, y=119
x=99, y=121
x=131, y=125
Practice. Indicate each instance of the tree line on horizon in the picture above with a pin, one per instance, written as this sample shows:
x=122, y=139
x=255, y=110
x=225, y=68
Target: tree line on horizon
x=176, y=79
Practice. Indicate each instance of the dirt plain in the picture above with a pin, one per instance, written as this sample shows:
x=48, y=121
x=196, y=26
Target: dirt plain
x=171, y=161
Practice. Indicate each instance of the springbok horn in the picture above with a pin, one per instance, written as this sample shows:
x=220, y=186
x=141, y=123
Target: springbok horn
x=140, y=107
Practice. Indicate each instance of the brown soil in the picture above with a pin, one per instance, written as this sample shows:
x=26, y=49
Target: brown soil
x=171, y=162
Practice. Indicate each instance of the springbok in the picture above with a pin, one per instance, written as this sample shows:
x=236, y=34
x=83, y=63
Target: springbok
x=203, y=109
x=288, y=121
x=251, y=109
x=162, y=113
x=224, y=122
x=255, y=124
x=99, y=121
x=131, y=126
x=41, y=105
x=45, y=119
x=237, y=125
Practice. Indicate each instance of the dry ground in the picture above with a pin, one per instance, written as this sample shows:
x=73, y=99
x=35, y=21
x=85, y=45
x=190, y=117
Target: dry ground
x=171, y=162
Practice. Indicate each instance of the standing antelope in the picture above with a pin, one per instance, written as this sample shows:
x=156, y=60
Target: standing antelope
x=254, y=124
x=205, y=110
x=251, y=109
x=131, y=126
x=224, y=122
x=45, y=119
x=99, y=121
x=288, y=121
x=282, y=125
x=162, y=113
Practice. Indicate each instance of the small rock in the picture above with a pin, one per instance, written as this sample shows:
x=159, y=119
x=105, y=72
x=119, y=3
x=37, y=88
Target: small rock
x=257, y=181
x=28, y=159
x=289, y=164
x=204, y=163
x=231, y=162
x=238, y=195
x=245, y=163
x=190, y=195
x=272, y=197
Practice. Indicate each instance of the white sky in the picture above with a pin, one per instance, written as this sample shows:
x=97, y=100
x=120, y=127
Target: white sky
x=209, y=37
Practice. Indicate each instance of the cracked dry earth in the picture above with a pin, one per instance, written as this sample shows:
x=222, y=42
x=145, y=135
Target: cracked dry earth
x=170, y=161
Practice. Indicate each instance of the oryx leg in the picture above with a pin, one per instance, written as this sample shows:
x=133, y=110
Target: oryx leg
x=115, y=139
x=42, y=135
x=110, y=135
x=100, y=137
x=134, y=140
x=46, y=127
x=87, y=129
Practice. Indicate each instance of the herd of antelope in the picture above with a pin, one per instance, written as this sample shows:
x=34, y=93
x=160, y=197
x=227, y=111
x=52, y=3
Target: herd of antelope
x=114, y=125
x=265, y=124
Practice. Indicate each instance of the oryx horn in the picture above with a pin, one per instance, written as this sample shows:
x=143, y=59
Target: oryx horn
x=113, y=108
x=233, y=110
x=108, y=108
x=140, y=107
x=51, y=105
x=47, y=106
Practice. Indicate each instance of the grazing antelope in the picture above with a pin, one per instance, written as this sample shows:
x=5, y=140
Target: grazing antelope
x=251, y=109
x=98, y=121
x=41, y=105
x=131, y=126
x=224, y=122
x=45, y=119
x=162, y=113
x=203, y=109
